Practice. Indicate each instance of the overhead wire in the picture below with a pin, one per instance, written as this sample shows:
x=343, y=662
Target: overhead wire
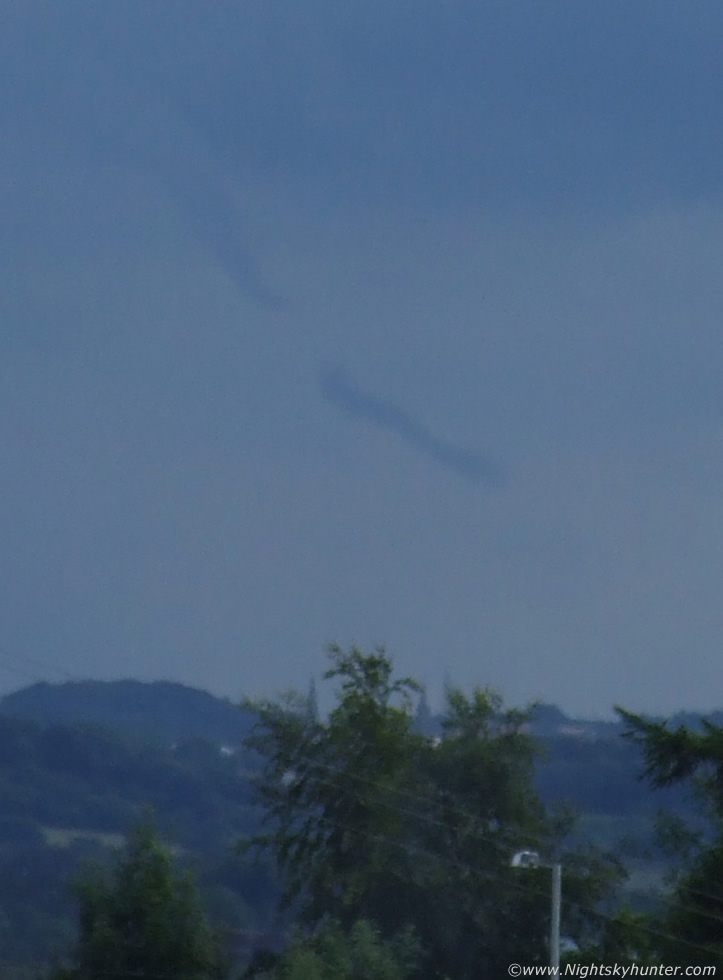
x=520, y=882
x=514, y=840
x=460, y=811
x=478, y=831
x=491, y=837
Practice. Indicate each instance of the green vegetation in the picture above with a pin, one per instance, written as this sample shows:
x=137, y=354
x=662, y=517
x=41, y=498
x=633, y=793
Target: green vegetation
x=71, y=793
x=143, y=920
x=359, y=954
x=690, y=923
x=159, y=712
x=379, y=816
x=370, y=820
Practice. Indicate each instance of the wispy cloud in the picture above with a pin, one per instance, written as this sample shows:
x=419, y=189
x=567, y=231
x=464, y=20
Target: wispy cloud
x=214, y=219
x=338, y=389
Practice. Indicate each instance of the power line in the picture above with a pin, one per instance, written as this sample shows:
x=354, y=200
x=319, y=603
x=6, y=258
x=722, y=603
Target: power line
x=433, y=801
x=517, y=883
x=494, y=841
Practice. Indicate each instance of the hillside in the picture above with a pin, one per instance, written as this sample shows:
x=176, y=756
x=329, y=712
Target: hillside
x=584, y=762
x=71, y=791
x=80, y=762
x=161, y=711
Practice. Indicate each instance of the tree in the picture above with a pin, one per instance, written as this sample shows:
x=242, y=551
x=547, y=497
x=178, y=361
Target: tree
x=370, y=819
x=690, y=929
x=359, y=954
x=145, y=920
x=331, y=791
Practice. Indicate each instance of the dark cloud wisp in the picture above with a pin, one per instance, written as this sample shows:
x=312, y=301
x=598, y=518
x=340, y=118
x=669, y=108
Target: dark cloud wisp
x=339, y=390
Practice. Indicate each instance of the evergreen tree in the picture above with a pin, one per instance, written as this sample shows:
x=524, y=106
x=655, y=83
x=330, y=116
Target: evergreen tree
x=142, y=921
x=691, y=927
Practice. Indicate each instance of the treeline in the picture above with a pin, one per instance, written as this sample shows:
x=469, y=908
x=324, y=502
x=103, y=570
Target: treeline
x=159, y=712
x=421, y=816
x=435, y=852
x=70, y=793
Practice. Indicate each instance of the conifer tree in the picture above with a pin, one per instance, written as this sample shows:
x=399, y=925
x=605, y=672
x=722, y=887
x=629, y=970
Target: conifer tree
x=144, y=920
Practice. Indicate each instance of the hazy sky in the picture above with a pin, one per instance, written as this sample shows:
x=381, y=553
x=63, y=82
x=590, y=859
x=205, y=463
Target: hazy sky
x=368, y=322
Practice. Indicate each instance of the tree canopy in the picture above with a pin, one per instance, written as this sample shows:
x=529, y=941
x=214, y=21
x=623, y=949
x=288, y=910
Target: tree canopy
x=690, y=929
x=359, y=954
x=369, y=819
x=143, y=920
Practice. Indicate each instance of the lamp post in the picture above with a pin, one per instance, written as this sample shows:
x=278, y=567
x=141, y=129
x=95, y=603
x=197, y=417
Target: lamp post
x=531, y=859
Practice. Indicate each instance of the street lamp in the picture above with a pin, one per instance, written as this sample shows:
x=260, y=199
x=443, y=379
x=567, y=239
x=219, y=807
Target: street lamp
x=531, y=859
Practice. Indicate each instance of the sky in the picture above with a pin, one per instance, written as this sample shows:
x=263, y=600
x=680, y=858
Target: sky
x=366, y=323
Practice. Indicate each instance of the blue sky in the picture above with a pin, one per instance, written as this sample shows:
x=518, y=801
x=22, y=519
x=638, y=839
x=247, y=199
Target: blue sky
x=367, y=323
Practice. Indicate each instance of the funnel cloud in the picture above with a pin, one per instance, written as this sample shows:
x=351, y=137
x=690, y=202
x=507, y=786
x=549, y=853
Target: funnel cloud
x=339, y=390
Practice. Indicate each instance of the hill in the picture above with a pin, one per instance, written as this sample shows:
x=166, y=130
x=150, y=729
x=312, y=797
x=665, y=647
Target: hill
x=71, y=792
x=81, y=761
x=161, y=712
